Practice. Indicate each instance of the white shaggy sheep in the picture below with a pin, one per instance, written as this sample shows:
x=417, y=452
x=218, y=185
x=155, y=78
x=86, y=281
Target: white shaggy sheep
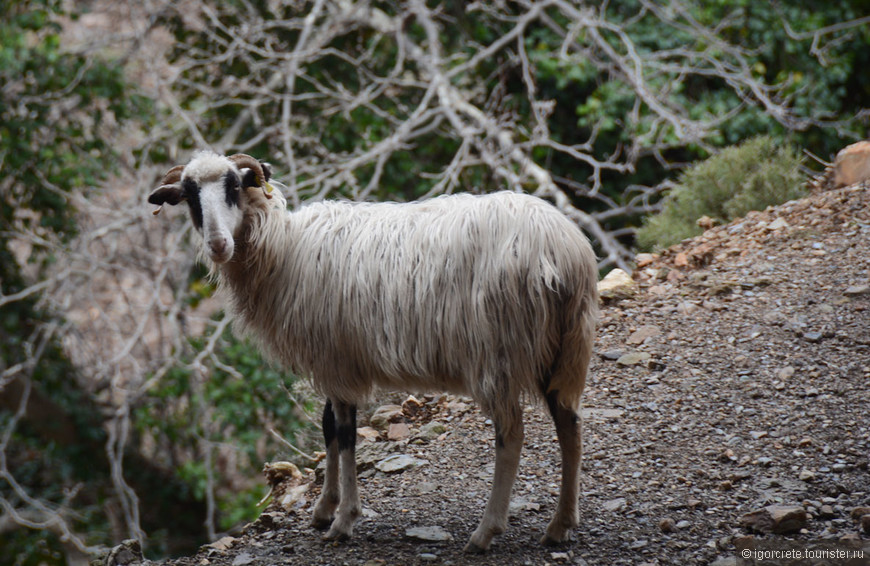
x=491, y=296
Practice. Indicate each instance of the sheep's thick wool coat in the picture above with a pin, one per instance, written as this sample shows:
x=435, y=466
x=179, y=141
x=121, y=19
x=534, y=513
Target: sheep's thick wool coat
x=492, y=296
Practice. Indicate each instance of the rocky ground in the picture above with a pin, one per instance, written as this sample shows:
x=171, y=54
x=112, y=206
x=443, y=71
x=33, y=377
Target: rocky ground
x=728, y=392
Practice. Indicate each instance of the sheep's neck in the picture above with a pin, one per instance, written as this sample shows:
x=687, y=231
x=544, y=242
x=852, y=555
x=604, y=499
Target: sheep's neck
x=246, y=276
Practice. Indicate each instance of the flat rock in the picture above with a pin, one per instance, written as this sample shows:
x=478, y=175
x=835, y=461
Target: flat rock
x=243, y=559
x=856, y=290
x=814, y=337
x=777, y=519
x=429, y=534
x=615, y=504
x=519, y=504
x=602, y=414
x=611, y=355
x=643, y=333
x=367, y=433
x=633, y=358
x=397, y=463
x=777, y=224
x=398, y=431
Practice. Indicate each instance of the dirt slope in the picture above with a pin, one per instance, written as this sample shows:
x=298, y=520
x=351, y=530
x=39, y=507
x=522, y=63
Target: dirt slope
x=750, y=388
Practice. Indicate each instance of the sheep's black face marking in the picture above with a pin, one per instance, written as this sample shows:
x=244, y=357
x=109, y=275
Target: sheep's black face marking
x=250, y=179
x=191, y=195
x=231, y=188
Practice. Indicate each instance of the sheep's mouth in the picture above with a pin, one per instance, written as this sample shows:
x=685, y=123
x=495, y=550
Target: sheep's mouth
x=220, y=259
x=220, y=253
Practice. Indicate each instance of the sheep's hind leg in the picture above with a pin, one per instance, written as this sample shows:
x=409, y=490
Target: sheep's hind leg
x=508, y=444
x=349, y=508
x=569, y=432
x=324, y=509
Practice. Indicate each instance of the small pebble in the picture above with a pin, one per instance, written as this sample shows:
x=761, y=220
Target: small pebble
x=667, y=525
x=813, y=336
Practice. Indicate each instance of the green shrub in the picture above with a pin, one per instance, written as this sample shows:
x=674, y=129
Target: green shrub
x=751, y=176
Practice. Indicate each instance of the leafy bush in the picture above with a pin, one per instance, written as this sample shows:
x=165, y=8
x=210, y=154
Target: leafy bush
x=750, y=176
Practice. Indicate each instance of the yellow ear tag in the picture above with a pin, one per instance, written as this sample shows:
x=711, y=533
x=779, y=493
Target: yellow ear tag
x=267, y=188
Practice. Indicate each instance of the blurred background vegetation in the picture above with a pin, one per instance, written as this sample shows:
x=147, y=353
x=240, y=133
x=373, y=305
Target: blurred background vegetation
x=127, y=407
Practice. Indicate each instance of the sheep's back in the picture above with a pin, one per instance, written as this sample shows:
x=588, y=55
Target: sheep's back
x=463, y=293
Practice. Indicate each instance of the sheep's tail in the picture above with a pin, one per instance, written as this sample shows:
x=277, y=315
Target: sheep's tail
x=567, y=376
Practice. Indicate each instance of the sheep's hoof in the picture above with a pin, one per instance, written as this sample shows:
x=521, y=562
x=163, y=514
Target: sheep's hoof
x=472, y=548
x=556, y=536
x=321, y=523
x=547, y=540
x=336, y=535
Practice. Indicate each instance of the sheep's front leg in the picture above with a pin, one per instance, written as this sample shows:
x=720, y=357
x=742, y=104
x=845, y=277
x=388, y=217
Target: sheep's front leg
x=324, y=509
x=349, y=507
x=508, y=444
x=569, y=432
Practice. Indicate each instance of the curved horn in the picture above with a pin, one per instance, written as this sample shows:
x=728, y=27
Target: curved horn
x=173, y=175
x=246, y=161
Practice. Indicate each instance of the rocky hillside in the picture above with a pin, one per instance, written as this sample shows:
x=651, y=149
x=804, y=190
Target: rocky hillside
x=728, y=408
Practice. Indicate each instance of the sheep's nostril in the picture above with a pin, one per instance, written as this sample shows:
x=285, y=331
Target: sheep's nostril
x=218, y=246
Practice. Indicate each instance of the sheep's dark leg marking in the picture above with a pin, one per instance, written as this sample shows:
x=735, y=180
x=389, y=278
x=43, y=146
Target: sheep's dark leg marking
x=508, y=445
x=349, y=507
x=346, y=429
x=569, y=431
x=324, y=509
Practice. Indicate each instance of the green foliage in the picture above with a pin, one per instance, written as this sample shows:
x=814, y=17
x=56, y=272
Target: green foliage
x=829, y=84
x=751, y=176
x=241, y=397
x=54, y=107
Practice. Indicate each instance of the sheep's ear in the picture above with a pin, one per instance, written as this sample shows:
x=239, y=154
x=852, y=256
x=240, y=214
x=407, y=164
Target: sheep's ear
x=171, y=194
x=267, y=170
x=169, y=190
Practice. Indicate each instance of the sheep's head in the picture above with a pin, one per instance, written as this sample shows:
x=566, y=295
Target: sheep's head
x=214, y=188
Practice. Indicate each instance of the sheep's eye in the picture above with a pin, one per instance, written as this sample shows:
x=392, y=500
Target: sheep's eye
x=231, y=181
x=231, y=189
x=190, y=187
